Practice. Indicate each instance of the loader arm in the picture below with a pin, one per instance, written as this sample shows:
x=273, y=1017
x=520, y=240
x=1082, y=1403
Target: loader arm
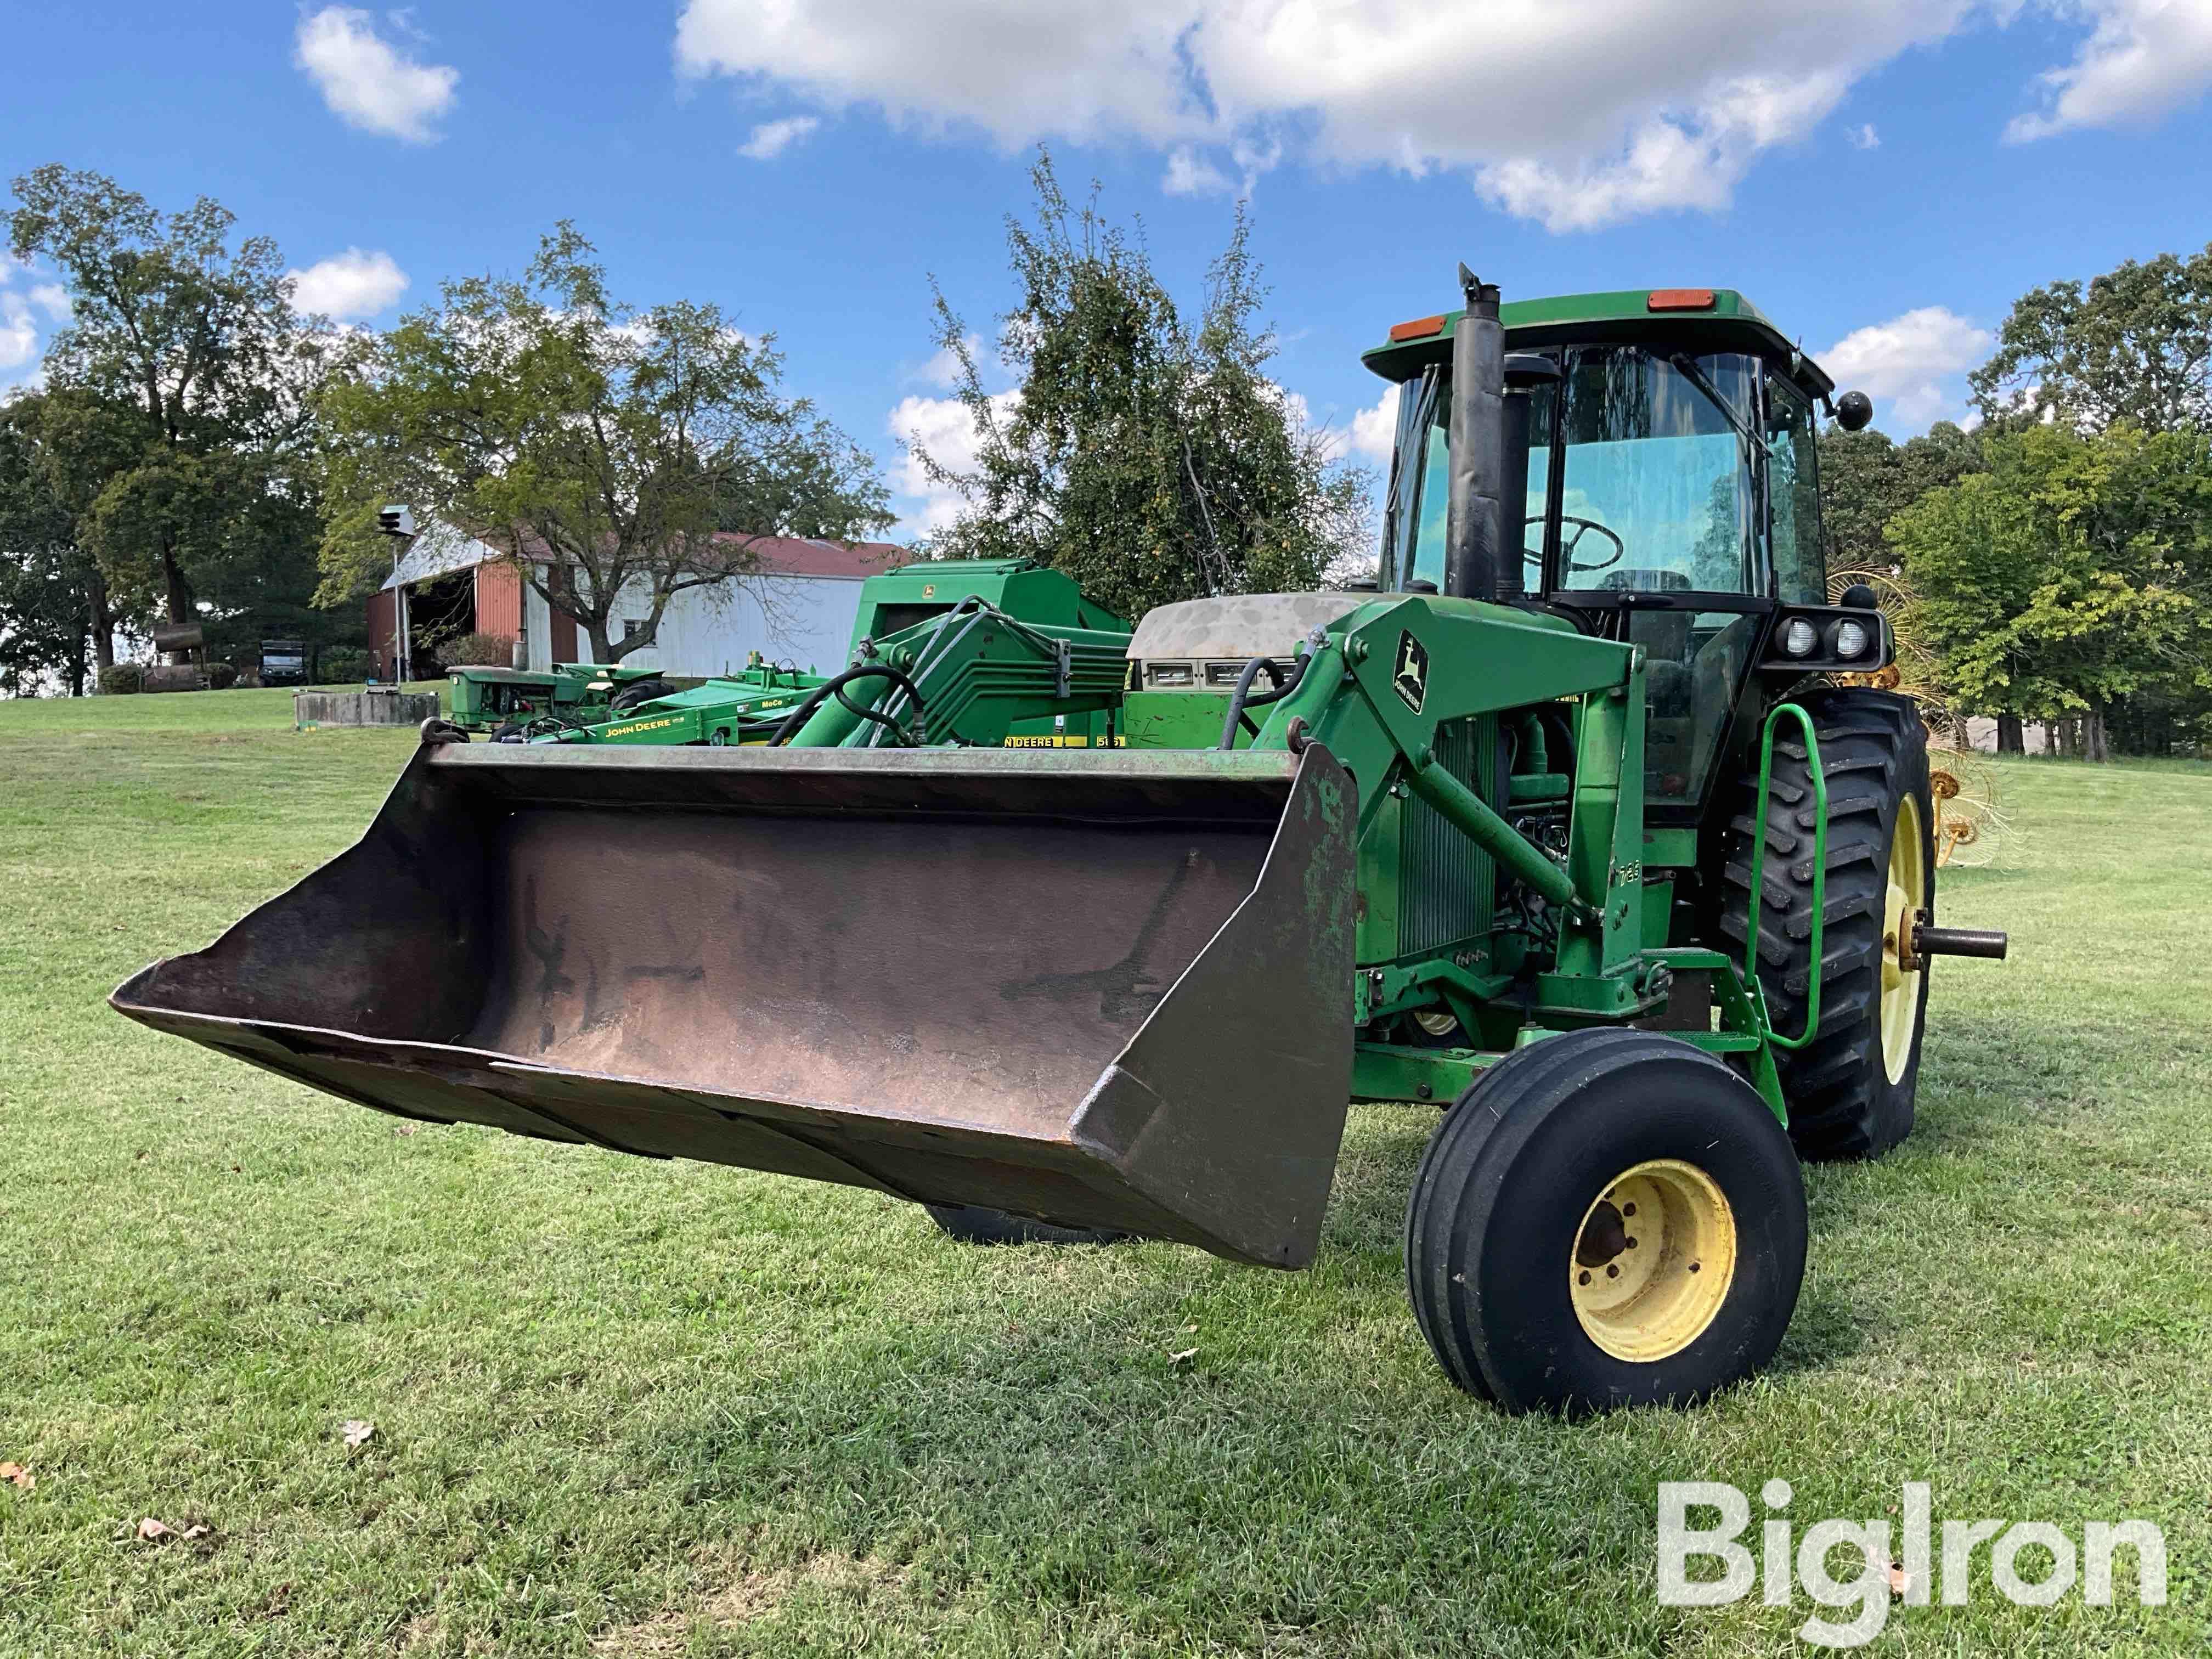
x=1379, y=684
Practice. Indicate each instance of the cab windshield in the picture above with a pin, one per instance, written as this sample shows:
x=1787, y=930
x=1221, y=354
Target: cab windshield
x=1659, y=459
x=1659, y=487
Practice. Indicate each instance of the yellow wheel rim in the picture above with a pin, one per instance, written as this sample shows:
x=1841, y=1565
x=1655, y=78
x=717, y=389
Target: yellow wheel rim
x=1900, y=985
x=1653, y=1261
x=1436, y=1024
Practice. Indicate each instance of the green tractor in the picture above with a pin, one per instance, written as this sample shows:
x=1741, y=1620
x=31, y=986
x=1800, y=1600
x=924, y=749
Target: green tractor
x=1556, y=826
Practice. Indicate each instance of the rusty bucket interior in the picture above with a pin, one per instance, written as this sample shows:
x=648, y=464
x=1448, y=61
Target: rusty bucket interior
x=1106, y=989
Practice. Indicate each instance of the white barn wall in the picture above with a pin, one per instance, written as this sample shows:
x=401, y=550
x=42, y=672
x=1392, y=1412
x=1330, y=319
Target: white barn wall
x=807, y=621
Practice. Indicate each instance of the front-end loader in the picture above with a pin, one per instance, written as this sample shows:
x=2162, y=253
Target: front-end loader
x=1554, y=826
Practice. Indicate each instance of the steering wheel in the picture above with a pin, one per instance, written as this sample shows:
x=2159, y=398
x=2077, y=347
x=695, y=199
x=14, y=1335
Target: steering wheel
x=1583, y=527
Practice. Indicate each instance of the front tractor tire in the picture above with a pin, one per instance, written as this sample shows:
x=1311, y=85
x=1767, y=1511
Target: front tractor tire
x=1851, y=1090
x=1605, y=1218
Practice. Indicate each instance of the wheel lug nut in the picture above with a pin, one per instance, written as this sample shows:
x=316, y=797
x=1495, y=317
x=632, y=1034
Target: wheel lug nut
x=1631, y=1244
x=1693, y=1267
x=1612, y=1272
x=1628, y=1209
x=1583, y=1277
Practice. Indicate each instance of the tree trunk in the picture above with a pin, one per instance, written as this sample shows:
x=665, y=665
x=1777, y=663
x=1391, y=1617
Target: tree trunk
x=2051, y=737
x=602, y=648
x=2012, y=736
x=103, y=626
x=178, y=598
x=2095, y=739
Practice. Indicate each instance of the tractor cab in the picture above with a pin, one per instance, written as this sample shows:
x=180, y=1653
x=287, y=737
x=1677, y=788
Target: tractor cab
x=1661, y=487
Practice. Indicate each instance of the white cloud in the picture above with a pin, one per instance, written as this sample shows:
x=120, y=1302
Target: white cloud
x=1190, y=174
x=365, y=82
x=20, y=312
x=350, y=284
x=2142, y=60
x=771, y=138
x=1374, y=429
x=1863, y=137
x=943, y=368
x=19, y=334
x=1911, y=363
x=1577, y=113
x=941, y=426
x=1669, y=104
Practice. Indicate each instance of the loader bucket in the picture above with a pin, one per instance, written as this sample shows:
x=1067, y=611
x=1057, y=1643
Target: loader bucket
x=1106, y=989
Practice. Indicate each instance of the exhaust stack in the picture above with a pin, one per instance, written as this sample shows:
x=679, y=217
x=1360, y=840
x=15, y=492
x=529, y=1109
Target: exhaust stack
x=1475, y=548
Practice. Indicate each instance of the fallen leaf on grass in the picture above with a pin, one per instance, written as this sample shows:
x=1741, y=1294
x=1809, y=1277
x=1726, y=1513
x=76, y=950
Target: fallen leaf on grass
x=17, y=1475
x=197, y=1530
x=1899, y=1580
x=357, y=1433
x=406, y=1129
x=151, y=1531
x=1186, y=1355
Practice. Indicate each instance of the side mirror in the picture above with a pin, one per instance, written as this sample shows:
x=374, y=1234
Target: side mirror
x=1854, y=410
x=1859, y=597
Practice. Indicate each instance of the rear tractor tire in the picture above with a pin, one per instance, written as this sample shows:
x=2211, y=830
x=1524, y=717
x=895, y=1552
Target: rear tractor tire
x=974, y=1223
x=1605, y=1218
x=1851, y=1090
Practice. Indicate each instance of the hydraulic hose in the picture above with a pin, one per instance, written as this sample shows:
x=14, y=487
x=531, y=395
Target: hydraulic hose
x=829, y=688
x=1241, y=698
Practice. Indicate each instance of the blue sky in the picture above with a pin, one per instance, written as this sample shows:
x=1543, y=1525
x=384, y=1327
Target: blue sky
x=1883, y=177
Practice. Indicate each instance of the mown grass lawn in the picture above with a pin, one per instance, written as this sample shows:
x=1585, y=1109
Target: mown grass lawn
x=626, y=1408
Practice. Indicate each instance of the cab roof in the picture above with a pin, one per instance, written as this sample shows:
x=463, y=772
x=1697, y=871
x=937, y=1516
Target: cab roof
x=1711, y=320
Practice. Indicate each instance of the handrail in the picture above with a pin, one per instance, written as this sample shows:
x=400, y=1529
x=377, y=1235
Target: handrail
x=1820, y=873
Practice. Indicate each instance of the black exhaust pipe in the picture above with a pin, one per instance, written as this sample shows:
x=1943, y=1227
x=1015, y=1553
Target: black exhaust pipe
x=1476, y=550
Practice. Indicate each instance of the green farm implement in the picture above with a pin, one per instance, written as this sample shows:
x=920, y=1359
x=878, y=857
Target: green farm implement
x=904, y=619
x=511, y=701
x=1556, y=824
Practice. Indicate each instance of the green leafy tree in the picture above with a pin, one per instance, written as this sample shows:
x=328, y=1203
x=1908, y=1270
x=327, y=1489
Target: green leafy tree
x=1148, y=455
x=601, y=447
x=56, y=617
x=52, y=598
x=187, y=375
x=1867, y=478
x=2070, y=576
x=2134, y=344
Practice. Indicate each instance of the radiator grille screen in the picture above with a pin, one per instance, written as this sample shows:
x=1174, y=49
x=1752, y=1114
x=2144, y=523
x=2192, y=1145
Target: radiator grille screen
x=1447, y=882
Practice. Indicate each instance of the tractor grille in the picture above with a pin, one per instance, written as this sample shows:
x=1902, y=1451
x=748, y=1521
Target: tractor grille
x=1446, y=882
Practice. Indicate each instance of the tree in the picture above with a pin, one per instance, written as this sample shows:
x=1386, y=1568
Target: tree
x=187, y=375
x=2070, y=574
x=1867, y=478
x=1150, y=459
x=52, y=600
x=56, y=620
x=599, y=446
x=2135, y=345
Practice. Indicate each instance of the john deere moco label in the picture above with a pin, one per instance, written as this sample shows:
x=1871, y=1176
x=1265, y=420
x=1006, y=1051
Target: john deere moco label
x=1411, y=677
